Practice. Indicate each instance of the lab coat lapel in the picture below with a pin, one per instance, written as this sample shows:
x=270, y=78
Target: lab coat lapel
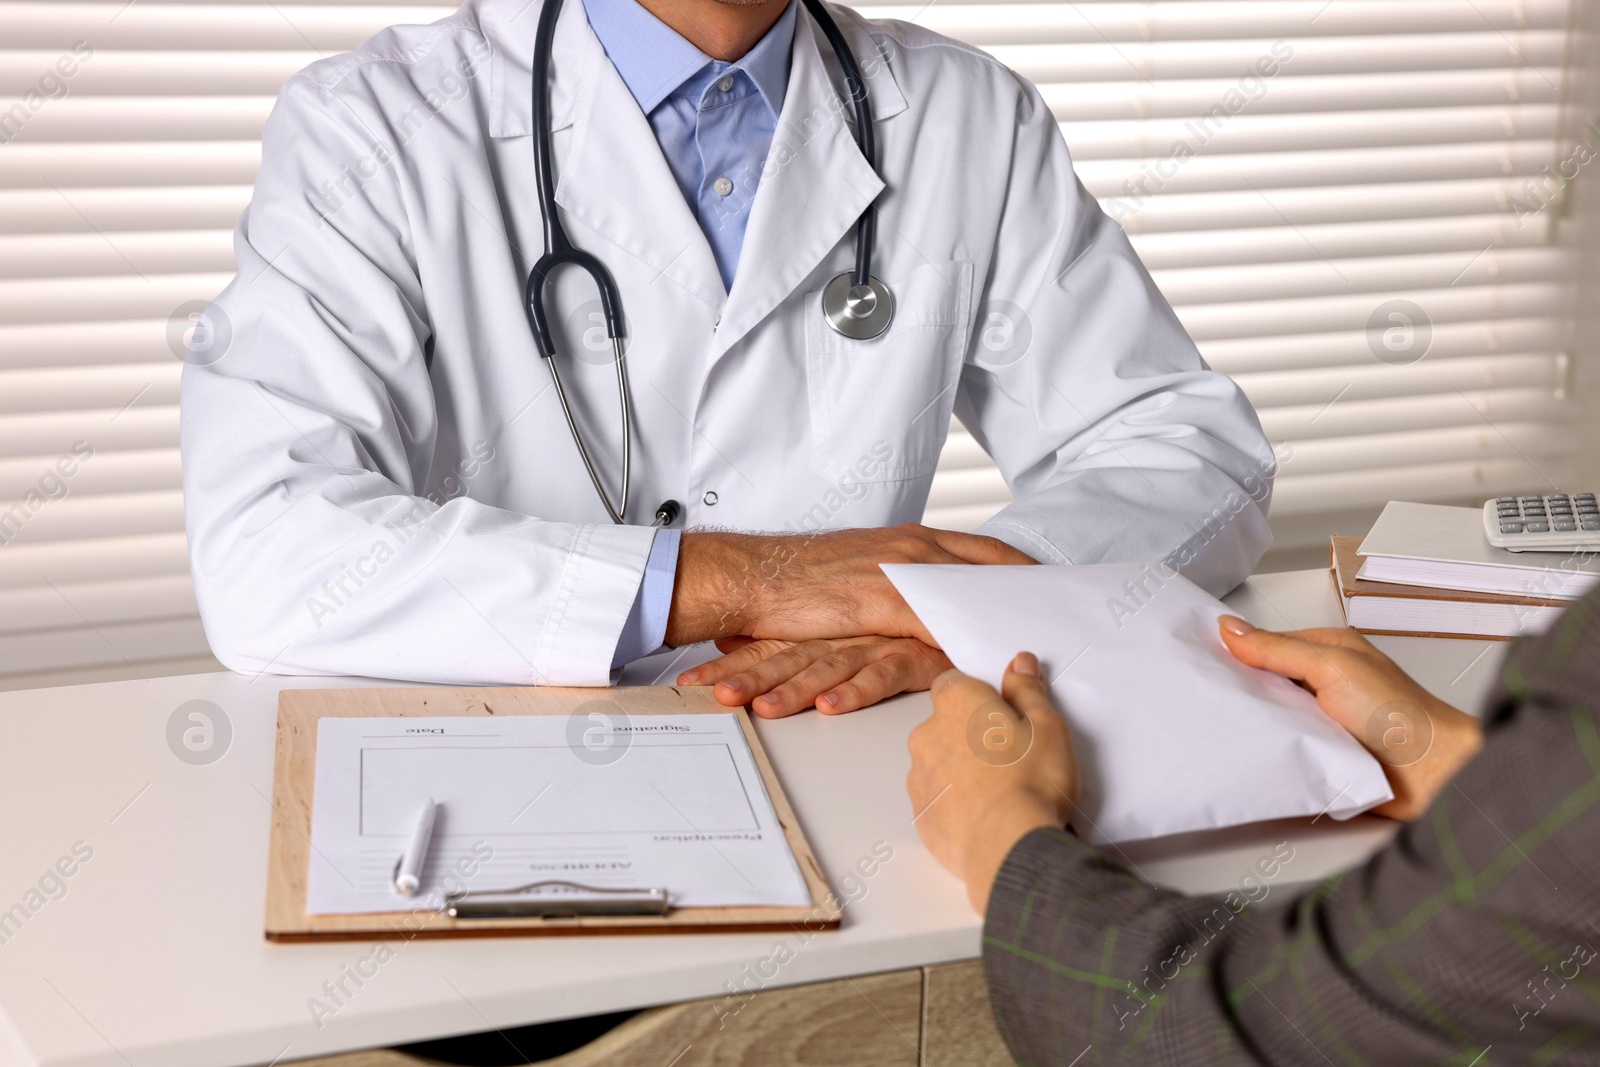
x=815, y=185
x=611, y=174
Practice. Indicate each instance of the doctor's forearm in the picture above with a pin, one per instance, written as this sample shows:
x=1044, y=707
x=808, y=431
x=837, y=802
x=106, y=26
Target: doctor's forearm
x=728, y=584
x=706, y=595
x=796, y=587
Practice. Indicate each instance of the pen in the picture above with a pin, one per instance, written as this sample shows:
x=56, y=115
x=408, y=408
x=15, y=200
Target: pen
x=408, y=875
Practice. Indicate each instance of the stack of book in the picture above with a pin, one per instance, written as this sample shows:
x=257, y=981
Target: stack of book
x=1428, y=570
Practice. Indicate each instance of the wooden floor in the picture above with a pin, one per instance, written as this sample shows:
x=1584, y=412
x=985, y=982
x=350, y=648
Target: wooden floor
x=930, y=1015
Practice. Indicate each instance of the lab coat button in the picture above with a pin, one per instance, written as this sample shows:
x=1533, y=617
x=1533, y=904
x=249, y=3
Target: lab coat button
x=723, y=186
x=710, y=499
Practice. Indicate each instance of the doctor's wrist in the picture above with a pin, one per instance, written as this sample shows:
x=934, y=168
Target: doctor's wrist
x=712, y=595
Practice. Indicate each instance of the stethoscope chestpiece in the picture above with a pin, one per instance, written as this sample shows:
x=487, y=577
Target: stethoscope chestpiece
x=859, y=312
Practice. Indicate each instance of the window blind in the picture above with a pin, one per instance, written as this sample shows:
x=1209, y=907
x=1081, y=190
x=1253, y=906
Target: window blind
x=1352, y=206
x=1287, y=168
x=129, y=141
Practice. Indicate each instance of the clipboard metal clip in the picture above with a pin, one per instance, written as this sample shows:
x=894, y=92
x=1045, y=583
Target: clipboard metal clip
x=581, y=900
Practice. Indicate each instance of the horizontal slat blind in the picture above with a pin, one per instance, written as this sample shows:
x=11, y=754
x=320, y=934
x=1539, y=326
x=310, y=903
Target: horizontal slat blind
x=1386, y=155
x=1383, y=160
x=118, y=195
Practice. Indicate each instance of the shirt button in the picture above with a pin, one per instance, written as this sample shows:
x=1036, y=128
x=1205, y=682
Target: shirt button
x=726, y=83
x=710, y=499
x=723, y=186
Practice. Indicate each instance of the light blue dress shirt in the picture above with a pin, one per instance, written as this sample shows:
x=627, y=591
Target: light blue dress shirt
x=646, y=627
x=714, y=122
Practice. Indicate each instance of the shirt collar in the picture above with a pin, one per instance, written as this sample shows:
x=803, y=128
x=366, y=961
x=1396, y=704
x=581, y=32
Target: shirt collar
x=655, y=61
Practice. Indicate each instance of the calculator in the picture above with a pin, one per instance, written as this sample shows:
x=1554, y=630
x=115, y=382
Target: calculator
x=1554, y=523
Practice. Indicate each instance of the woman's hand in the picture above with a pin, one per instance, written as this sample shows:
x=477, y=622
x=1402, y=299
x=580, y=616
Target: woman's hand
x=1420, y=740
x=778, y=678
x=986, y=770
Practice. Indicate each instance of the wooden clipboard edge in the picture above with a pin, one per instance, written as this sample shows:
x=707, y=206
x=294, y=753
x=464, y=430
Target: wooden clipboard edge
x=289, y=842
x=593, y=927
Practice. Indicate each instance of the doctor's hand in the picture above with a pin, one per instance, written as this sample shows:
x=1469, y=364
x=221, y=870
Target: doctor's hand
x=797, y=587
x=986, y=770
x=779, y=678
x=1420, y=740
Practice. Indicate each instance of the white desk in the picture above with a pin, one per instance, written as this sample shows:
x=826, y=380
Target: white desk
x=154, y=955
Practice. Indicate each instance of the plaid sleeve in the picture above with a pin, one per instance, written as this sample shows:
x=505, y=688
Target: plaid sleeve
x=1470, y=940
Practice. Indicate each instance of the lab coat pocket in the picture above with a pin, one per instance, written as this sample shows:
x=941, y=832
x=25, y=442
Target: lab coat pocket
x=880, y=409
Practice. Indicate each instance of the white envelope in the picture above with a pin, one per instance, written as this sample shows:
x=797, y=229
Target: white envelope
x=1172, y=733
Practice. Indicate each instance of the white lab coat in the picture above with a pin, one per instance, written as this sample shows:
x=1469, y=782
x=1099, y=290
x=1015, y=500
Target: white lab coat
x=378, y=477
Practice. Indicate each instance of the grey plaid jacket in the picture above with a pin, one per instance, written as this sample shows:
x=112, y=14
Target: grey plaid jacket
x=1471, y=940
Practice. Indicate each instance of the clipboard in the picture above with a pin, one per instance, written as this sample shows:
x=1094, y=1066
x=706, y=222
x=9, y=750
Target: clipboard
x=294, y=775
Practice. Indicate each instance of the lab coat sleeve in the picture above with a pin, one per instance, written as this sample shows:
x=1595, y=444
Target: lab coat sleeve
x=308, y=440
x=1117, y=441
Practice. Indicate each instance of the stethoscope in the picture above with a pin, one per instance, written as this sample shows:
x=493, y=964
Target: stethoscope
x=855, y=304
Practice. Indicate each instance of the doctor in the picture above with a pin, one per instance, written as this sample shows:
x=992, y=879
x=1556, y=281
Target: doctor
x=380, y=477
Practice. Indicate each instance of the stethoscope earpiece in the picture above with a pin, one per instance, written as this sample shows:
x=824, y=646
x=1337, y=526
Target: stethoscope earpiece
x=859, y=312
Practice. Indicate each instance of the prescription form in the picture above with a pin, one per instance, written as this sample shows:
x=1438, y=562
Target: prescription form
x=605, y=800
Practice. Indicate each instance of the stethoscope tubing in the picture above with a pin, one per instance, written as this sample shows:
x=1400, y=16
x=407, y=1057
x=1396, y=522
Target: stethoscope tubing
x=620, y=509
x=866, y=142
x=560, y=251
